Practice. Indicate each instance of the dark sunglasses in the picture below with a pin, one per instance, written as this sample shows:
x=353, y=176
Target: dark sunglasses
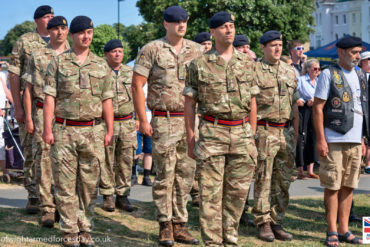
x=316, y=69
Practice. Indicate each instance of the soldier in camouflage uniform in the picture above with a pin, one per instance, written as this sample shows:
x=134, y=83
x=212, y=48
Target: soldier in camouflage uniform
x=163, y=64
x=223, y=84
x=275, y=138
x=78, y=88
x=21, y=53
x=116, y=171
x=33, y=104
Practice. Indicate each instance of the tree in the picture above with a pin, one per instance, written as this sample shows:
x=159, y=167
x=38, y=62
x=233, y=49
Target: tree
x=104, y=33
x=13, y=34
x=252, y=17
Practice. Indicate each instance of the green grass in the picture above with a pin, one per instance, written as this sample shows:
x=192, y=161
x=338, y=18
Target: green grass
x=304, y=219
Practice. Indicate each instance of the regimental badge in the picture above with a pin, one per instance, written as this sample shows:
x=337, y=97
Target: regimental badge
x=64, y=22
x=232, y=18
x=345, y=97
x=281, y=37
x=51, y=10
x=336, y=102
x=91, y=23
x=337, y=80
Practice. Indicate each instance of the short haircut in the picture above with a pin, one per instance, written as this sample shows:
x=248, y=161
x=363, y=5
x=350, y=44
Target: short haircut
x=294, y=43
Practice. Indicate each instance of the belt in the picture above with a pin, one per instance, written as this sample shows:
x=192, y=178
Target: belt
x=39, y=104
x=168, y=114
x=121, y=118
x=272, y=124
x=224, y=121
x=74, y=123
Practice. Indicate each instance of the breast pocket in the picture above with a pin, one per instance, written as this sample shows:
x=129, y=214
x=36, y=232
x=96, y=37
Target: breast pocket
x=211, y=88
x=67, y=81
x=123, y=92
x=267, y=91
x=166, y=72
x=244, y=82
x=96, y=81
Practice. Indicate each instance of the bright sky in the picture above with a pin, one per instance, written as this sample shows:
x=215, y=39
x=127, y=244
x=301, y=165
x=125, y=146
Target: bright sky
x=14, y=12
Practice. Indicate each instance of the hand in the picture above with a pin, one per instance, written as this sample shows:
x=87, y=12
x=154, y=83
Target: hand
x=137, y=124
x=108, y=139
x=30, y=128
x=363, y=147
x=300, y=102
x=1, y=113
x=146, y=129
x=322, y=148
x=304, y=58
x=48, y=138
x=310, y=102
x=191, y=145
x=19, y=115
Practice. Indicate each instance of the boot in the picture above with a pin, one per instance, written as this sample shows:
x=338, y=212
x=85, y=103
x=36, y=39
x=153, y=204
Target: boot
x=166, y=233
x=244, y=220
x=265, y=233
x=182, y=235
x=108, y=203
x=70, y=240
x=32, y=206
x=123, y=203
x=133, y=174
x=86, y=240
x=48, y=219
x=280, y=233
x=146, y=178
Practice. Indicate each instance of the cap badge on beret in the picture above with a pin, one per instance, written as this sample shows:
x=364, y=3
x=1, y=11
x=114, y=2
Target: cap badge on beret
x=232, y=17
x=51, y=10
x=91, y=23
x=64, y=22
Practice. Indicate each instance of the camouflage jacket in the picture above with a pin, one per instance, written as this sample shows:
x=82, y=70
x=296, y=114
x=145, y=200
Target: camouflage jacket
x=36, y=70
x=21, y=53
x=122, y=101
x=278, y=92
x=166, y=72
x=79, y=89
x=222, y=89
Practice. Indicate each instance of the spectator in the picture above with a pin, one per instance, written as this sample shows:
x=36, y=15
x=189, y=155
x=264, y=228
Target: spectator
x=365, y=66
x=296, y=49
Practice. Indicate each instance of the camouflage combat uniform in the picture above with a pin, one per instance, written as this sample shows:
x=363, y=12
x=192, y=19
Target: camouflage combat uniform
x=21, y=53
x=40, y=150
x=276, y=145
x=227, y=155
x=166, y=72
x=117, y=178
x=78, y=151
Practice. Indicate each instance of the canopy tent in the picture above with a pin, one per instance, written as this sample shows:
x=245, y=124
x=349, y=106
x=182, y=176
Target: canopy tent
x=327, y=53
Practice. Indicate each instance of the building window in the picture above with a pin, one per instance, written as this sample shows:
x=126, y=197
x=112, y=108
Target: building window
x=336, y=20
x=336, y=36
x=344, y=19
x=354, y=18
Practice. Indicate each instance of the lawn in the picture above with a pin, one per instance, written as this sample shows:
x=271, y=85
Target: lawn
x=305, y=219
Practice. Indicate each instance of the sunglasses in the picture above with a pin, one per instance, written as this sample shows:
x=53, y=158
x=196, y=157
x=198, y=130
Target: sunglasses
x=316, y=69
x=299, y=48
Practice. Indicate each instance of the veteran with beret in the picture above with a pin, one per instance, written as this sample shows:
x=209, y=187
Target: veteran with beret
x=22, y=50
x=205, y=40
x=277, y=129
x=163, y=64
x=340, y=113
x=78, y=92
x=223, y=85
x=33, y=105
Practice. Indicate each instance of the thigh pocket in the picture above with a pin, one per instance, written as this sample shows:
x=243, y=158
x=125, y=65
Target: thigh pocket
x=328, y=172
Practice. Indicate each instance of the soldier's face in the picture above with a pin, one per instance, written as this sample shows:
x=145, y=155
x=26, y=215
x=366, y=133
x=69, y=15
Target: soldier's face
x=207, y=45
x=224, y=34
x=176, y=29
x=42, y=22
x=83, y=39
x=272, y=50
x=58, y=34
x=114, y=56
x=350, y=56
x=244, y=49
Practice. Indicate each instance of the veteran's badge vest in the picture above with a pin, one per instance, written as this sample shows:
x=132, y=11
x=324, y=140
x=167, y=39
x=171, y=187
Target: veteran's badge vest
x=339, y=106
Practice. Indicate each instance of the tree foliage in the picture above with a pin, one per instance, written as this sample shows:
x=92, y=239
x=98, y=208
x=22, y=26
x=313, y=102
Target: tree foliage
x=13, y=34
x=252, y=17
x=104, y=33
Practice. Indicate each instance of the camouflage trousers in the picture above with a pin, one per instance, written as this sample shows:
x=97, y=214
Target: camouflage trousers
x=227, y=157
x=174, y=169
x=28, y=164
x=76, y=157
x=194, y=192
x=276, y=160
x=119, y=159
x=41, y=154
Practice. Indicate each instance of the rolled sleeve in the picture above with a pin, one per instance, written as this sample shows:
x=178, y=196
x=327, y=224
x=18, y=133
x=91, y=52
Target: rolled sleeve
x=191, y=83
x=144, y=62
x=15, y=58
x=50, y=87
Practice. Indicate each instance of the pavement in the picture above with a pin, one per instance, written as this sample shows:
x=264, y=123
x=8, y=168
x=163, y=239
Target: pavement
x=16, y=196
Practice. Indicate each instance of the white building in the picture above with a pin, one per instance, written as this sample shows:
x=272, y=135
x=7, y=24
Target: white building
x=335, y=18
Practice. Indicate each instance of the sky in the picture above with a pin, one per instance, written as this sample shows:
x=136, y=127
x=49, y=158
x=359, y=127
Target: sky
x=14, y=12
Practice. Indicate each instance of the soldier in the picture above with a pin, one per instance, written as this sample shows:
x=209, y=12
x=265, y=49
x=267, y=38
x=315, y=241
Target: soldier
x=117, y=178
x=163, y=64
x=204, y=39
x=276, y=138
x=33, y=105
x=22, y=50
x=241, y=43
x=78, y=90
x=222, y=83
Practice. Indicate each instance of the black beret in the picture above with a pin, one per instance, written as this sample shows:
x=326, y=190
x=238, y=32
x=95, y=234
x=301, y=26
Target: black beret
x=201, y=37
x=240, y=40
x=220, y=18
x=349, y=42
x=113, y=44
x=57, y=21
x=175, y=14
x=270, y=35
x=43, y=10
x=80, y=23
